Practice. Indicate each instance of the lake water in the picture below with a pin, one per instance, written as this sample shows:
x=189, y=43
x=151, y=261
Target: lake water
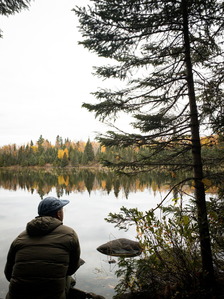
x=85, y=213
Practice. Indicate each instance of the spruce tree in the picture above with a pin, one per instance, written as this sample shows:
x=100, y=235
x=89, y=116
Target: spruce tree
x=168, y=56
x=88, y=155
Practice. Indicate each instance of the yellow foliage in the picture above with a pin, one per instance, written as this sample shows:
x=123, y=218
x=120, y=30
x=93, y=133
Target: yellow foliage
x=34, y=148
x=103, y=184
x=209, y=140
x=62, y=152
x=63, y=180
x=103, y=149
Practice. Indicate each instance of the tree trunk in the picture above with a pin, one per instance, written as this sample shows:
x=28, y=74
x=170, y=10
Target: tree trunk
x=206, y=253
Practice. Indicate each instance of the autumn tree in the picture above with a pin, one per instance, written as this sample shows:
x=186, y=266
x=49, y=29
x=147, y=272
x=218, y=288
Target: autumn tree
x=168, y=58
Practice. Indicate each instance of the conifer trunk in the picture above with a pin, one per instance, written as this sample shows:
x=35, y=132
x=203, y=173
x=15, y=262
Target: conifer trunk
x=206, y=253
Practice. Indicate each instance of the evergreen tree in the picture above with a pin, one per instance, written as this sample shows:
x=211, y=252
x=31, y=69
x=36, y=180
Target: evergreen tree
x=88, y=155
x=40, y=142
x=169, y=53
x=9, y=7
x=74, y=157
x=58, y=142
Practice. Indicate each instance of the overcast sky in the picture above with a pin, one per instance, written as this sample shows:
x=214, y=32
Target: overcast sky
x=45, y=75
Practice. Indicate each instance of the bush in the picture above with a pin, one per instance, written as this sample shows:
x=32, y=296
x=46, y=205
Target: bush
x=170, y=266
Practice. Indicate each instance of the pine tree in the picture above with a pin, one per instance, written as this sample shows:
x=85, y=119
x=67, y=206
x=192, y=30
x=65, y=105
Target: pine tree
x=169, y=56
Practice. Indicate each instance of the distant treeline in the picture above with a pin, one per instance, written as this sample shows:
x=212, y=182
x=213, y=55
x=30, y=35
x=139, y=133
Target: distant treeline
x=43, y=152
x=69, y=153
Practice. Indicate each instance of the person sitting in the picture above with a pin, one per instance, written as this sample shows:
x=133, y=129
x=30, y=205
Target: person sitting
x=42, y=258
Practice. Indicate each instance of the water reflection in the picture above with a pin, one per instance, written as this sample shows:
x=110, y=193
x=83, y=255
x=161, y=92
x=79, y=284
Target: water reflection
x=85, y=213
x=92, y=195
x=65, y=182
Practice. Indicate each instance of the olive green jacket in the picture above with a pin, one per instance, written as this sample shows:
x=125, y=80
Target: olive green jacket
x=40, y=259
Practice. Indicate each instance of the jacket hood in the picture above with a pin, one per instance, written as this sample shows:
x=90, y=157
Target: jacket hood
x=41, y=226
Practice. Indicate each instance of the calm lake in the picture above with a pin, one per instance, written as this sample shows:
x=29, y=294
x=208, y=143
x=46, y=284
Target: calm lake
x=92, y=195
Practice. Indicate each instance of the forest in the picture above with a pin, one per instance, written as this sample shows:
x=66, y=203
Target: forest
x=67, y=153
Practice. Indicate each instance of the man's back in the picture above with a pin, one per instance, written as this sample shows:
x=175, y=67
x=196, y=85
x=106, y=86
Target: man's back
x=40, y=259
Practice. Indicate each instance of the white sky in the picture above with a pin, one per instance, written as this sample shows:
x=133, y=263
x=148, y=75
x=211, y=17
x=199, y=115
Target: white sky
x=46, y=76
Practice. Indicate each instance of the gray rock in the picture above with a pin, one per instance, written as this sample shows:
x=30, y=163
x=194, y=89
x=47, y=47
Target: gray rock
x=121, y=248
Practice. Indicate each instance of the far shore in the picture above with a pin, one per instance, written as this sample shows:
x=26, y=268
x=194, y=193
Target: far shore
x=51, y=167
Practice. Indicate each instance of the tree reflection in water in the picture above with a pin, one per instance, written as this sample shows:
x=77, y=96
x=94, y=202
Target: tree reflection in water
x=68, y=181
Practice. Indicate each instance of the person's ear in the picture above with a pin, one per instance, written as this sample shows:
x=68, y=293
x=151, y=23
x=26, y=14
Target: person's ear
x=60, y=214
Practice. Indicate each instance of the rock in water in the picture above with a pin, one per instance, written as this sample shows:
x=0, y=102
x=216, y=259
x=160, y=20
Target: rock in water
x=121, y=247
